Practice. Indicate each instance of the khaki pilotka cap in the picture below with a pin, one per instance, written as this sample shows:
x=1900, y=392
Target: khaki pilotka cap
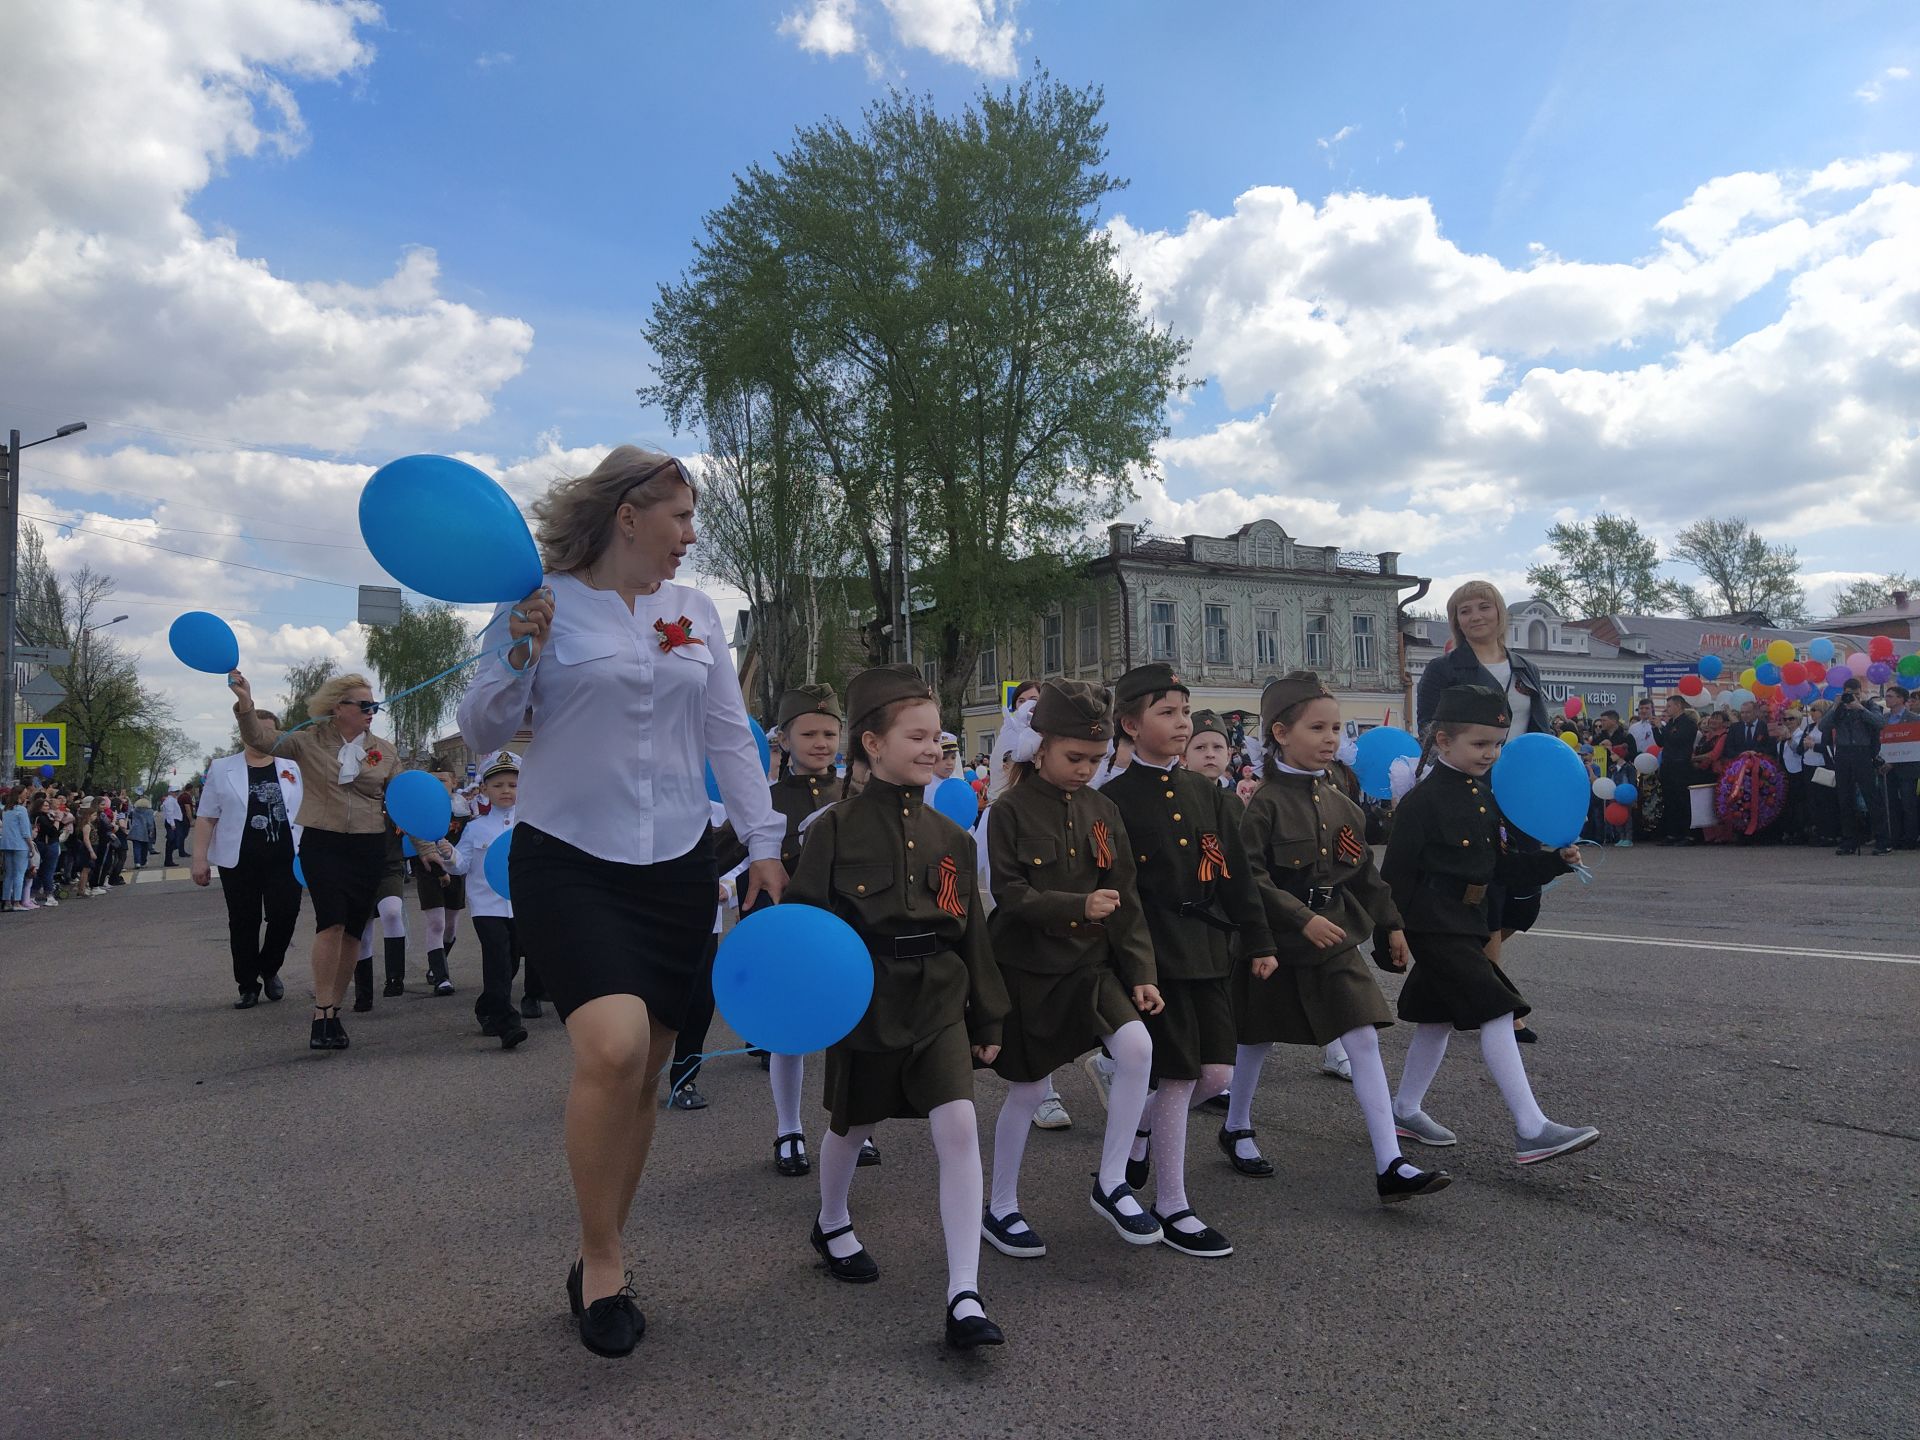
x=1208, y=722
x=1473, y=705
x=1073, y=710
x=872, y=689
x=1288, y=691
x=1144, y=680
x=807, y=700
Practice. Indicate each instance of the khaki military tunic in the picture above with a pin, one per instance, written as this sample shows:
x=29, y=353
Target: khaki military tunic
x=794, y=797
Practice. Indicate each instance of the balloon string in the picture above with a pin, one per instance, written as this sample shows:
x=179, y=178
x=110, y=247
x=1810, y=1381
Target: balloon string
x=694, y=1062
x=411, y=689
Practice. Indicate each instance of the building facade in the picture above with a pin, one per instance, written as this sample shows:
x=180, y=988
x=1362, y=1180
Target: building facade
x=1229, y=613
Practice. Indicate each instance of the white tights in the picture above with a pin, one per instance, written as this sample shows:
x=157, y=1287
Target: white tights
x=393, y=925
x=1132, y=1053
x=434, y=921
x=784, y=1075
x=1362, y=1046
x=1502, y=1055
x=956, y=1145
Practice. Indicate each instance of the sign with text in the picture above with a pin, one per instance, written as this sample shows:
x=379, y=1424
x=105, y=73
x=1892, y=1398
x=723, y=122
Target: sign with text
x=40, y=744
x=1900, y=742
x=1664, y=676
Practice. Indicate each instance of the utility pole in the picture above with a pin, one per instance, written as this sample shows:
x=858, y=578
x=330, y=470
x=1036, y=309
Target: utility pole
x=10, y=538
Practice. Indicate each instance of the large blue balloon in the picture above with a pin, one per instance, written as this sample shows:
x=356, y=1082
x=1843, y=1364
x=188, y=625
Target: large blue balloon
x=792, y=979
x=1542, y=788
x=1709, y=667
x=494, y=864
x=955, y=799
x=447, y=530
x=202, y=641
x=419, y=804
x=766, y=759
x=1822, y=650
x=1374, y=754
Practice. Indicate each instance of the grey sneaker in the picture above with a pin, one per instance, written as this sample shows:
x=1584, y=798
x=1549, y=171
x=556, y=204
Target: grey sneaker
x=1424, y=1128
x=1052, y=1115
x=1100, y=1071
x=1553, y=1141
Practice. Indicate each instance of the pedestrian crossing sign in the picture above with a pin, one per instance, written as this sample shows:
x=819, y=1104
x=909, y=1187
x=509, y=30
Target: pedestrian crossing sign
x=40, y=744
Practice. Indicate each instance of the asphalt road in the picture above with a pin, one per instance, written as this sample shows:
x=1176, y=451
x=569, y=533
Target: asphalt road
x=210, y=1231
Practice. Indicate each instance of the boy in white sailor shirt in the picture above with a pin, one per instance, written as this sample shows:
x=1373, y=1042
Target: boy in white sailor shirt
x=491, y=911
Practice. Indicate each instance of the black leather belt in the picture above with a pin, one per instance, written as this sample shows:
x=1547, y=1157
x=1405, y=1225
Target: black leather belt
x=907, y=947
x=1454, y=888
x=1203, y=911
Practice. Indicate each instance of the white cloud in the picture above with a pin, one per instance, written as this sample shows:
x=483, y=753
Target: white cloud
x=978, y=34
x=493, y=60
x=1858, y=174
x=826, y=29
x=1871, y=92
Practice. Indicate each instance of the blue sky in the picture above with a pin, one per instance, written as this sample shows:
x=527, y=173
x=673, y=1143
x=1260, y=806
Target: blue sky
x=214, y=258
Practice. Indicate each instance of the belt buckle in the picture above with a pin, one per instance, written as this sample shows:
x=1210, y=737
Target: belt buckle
x=1474, y=894
x=1319, y=897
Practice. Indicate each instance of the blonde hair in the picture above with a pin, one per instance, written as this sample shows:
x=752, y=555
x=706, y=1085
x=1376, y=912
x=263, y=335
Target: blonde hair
x=575, y=517
x=332, y=691
x=1476, y=590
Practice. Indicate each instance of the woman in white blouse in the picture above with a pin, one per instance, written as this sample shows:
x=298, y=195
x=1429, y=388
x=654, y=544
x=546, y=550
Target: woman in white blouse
x=630, y=690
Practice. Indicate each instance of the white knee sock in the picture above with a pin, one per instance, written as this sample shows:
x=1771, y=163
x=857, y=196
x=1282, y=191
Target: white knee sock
x=1132, y=1052
x=393, y=918
x=1170, y=1149
x=839, y=1156
x=1010, y=1142
x=784, y=1075
x=956, y=1144
x=1502, y=1054
x=1370, y=1089
x=1424, y=1055
x=1247, y=1063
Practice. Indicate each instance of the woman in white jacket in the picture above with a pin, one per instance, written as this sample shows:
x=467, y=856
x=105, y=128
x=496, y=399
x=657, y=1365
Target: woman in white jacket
x=245, y=827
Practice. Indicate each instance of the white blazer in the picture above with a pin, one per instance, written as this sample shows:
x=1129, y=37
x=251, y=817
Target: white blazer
x=223, y=800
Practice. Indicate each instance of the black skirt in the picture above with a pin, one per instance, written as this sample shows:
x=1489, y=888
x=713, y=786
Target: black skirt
x=1195, y=1030
x=864, y=1087
x=437, y=889
x=1452, y=982
x=1056, y=1018
x=594, y=927
x=343, y=877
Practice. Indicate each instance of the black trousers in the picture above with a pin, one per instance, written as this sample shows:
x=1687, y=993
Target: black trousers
x=499, y=962
x=1676, y=815
x=1862, y=798
x=692, y=1041
x=263, y=888
x=1903, y=801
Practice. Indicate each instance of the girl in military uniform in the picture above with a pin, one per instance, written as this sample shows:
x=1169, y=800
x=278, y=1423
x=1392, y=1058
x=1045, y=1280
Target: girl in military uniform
x=902, y=875
x=807, y=726
x=1447, y=847
x=1197, y=891
x=1306, y=841
x=1072, y=947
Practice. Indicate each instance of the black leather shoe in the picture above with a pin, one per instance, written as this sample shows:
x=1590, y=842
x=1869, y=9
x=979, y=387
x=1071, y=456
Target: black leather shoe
x=274, y=987
x=320, y=1040
x=531, y=1008
x=1138, y=1170
x=1214, y=1104
x=1395, y=1187
x=393, y=987
x=974, y=1331
x=613, y=1324
x=512, y=1032
x=1526, y=1035
x=248, y=999
x=869, y=1155
x=1260, y=1168
x=856, y=1269
x=790, y=1155
x=575, y=1304
x=336, y=1032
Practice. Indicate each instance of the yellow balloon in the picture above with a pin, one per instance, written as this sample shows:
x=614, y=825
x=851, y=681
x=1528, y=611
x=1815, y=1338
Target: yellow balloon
x=1780, y=651
x=1570, y=738
x=1749, y=678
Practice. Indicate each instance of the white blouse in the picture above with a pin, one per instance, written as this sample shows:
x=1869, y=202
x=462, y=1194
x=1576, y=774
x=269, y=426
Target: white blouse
x=623, y=729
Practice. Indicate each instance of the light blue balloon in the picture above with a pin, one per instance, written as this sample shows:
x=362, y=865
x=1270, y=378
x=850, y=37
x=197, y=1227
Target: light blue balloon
x=1709, y=667
x=419, y=804
x=202, y=641
x=1542, y=788
x=1626, y=794
x=793, y=979
x=298, y=874
x=447, y=530
x=1822, y=650
x=494, y=864
x=955, y=799
x=1374, y=754
x=766, y=759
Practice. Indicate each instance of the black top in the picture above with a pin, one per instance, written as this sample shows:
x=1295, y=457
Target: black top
x=1449, y=830
x=1460, y=666
x=1676, y=739
x=268, y=836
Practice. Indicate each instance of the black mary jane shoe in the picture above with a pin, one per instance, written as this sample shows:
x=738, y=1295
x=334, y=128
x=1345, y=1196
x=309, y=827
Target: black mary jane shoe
x=575, y=1305
x=1011, y=1235
x=1139, y=1170
x=1206, y=1243
x=974, y=1331
x=1260, y=1168
x=1526, y=1035
x=790, y=1155
x=869, y=1154
x=856, y=1269
x=248, y=999
x=1395, y=1187
x=1137, y=1229
x=613, y=1324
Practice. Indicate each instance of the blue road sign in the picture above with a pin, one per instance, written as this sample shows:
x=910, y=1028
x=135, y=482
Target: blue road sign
x=40, y=744
x=1664, y=676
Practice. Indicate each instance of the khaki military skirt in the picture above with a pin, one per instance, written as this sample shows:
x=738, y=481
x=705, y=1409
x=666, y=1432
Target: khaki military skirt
x=1057, y=1018
x=864, y=1087
x=1308, y=1004
x=1452, y=982
x=1195, y=1030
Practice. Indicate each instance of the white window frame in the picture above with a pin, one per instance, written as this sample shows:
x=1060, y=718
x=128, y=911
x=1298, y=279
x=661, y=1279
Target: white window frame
x=1317, y=646
x=1364, y=657
x=1086, y=650
x=1220, y=653
x=1156, y=651
x=987, y=668
x=1266, y=638
x=1053, y=643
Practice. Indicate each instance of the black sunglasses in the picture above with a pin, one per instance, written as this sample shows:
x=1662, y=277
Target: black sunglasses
x=670, y=463
x=367, y=707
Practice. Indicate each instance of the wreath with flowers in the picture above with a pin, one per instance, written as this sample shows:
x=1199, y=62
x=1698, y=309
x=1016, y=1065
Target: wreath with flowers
x=1752, y=793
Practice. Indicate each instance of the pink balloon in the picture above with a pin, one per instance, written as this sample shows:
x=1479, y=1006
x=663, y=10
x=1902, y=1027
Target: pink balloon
x=1575, y=705
x=1859, y=664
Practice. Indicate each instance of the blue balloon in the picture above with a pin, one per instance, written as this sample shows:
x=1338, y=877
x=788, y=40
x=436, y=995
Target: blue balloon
x=299, y=874
x=793, y=979
x=1822, y=650
x=766, y=759
x=202, y=641
x=1767, y=673
x=494, y=864
x=406, y=847
x=1832, y=692
x=1709, y=667
x=419, y=804
x=1626, y=794
x=46, y=772
x=447, y=530
x=954, y=798
x=1373, y=756
x=1542, y=788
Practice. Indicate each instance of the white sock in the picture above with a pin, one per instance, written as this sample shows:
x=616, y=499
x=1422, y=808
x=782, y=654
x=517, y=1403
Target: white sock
x=784, y=1075
x=1502, y=1054
x=1052, y=1094
x=1247, y=1063
x=1132, y=1051
x=839, y=1156
x=1376, y=1101
x=1010, y=1142
x=956, y=1144
x=1335, y=1052
x=393, y=918
x=1170, y=1151
x=434, y=922
x=1424, y=1055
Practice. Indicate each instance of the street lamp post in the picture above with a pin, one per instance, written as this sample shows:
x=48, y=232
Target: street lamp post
x=10, y=536
x=86, y=678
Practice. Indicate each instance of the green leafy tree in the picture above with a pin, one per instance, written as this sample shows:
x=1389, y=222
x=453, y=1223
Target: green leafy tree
x=113, y=721
x=1870, y=593
x=1742, y=573
x=1605, y=566
x=302, y=680
x=424, y=641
